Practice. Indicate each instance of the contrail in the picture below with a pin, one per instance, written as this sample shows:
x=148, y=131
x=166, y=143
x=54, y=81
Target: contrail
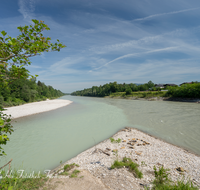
x=134, y=54
x=156, y=15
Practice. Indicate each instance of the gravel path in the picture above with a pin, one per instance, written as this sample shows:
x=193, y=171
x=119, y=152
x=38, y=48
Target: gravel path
x=35, y=107
x=143, y=149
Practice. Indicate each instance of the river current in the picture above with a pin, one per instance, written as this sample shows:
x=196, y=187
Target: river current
x=41, y=141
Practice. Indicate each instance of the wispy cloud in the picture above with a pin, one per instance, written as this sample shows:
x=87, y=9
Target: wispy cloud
x=162, y=14
x=135, y=54
x=26, y=8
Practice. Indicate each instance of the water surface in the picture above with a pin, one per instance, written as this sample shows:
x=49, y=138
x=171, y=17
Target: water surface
x=41, y=141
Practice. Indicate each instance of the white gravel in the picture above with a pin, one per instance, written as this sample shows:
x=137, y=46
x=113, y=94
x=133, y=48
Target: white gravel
x=158, y=153
x=35, y=107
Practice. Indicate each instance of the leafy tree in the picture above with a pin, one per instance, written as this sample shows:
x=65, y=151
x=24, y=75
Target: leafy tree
x=128, y=91
x=150, y=84
x=17, y=51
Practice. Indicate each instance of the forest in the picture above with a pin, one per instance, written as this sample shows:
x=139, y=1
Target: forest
x=24, y=90
x=146, y=90
x=107, y=89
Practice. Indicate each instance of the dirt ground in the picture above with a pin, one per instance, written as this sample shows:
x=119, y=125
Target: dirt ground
x=84, y=181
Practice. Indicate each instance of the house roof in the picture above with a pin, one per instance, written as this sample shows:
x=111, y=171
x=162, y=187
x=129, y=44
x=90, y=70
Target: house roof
x=159, y=85
x=170, y=85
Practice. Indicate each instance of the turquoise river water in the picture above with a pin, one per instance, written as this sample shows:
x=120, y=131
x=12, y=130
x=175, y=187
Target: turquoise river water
x=39, y=142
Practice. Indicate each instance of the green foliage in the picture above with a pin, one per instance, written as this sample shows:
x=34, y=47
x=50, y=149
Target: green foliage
x=185, y=91
x=115, y=141
x=107, y=89
x=31, y=42
x=143, y=163
x=64, y=173
x=161, y=176
x=74, y=173
x=141, y=91
x=179, y=185
x=18, y=182
x=128, y=91
x=68, y=167
x=162, y=181
x=5, y=128
x=128, y=163
x=14, y=54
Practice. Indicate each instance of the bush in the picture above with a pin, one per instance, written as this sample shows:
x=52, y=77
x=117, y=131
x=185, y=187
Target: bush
x=185, y=91
x=1, y=100
x=115, y=141
x=128, y=163
x=163, y=182
x=128, y=91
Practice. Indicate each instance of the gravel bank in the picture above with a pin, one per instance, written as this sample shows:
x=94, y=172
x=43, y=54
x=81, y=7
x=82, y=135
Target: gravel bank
x=35, y=107
x=145, y=150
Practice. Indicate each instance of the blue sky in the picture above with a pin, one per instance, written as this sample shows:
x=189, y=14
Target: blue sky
x=130, y=41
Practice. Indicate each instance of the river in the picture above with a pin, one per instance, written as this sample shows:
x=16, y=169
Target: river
x=41, y=141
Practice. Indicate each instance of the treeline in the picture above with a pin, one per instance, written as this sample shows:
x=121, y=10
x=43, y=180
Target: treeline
x=107, y=89
x=20, y=91
x=185, y=91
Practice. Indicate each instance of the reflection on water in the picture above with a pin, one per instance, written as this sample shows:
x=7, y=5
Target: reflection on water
x=41, y=141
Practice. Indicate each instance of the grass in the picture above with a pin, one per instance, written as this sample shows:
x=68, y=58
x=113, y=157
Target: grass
x=68, y=167
x=115, y=141
x=163, y=182
x=128, y=163
x=74, y=173
x=16, y=182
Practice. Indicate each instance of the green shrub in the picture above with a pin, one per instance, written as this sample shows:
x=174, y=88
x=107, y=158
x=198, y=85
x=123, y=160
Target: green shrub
x=1, y=100
x=185, y=91
x=74, y=173
x=163, y=182
x=128, y=163
x=115, y=141
x=68, y=167
x=128, y=91
x=161, y=176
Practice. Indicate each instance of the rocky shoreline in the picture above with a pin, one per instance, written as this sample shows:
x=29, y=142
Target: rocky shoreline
x=145, y=150
x=192, y=100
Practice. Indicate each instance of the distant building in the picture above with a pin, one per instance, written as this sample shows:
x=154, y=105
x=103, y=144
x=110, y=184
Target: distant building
x=159, y=86
x=165, y=85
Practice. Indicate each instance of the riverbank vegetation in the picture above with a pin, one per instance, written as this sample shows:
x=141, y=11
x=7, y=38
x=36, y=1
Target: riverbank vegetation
x=143, y=94
x=16, y=180
x=128, y=163
x=16, y=84
x=185, y=91
x=162, y=179
x=108, y=89
x=147, y=90
x=20, y=91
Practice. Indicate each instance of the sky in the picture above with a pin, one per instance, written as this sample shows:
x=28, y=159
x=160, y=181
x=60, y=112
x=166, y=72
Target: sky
x=132, y=41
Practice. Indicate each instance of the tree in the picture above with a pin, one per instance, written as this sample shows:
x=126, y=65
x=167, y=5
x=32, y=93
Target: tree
x=150, y=84
x=15, y=52
x=128, y=91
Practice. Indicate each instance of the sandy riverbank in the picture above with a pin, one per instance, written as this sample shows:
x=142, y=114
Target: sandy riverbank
x=35, y=107
x=145, y=150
